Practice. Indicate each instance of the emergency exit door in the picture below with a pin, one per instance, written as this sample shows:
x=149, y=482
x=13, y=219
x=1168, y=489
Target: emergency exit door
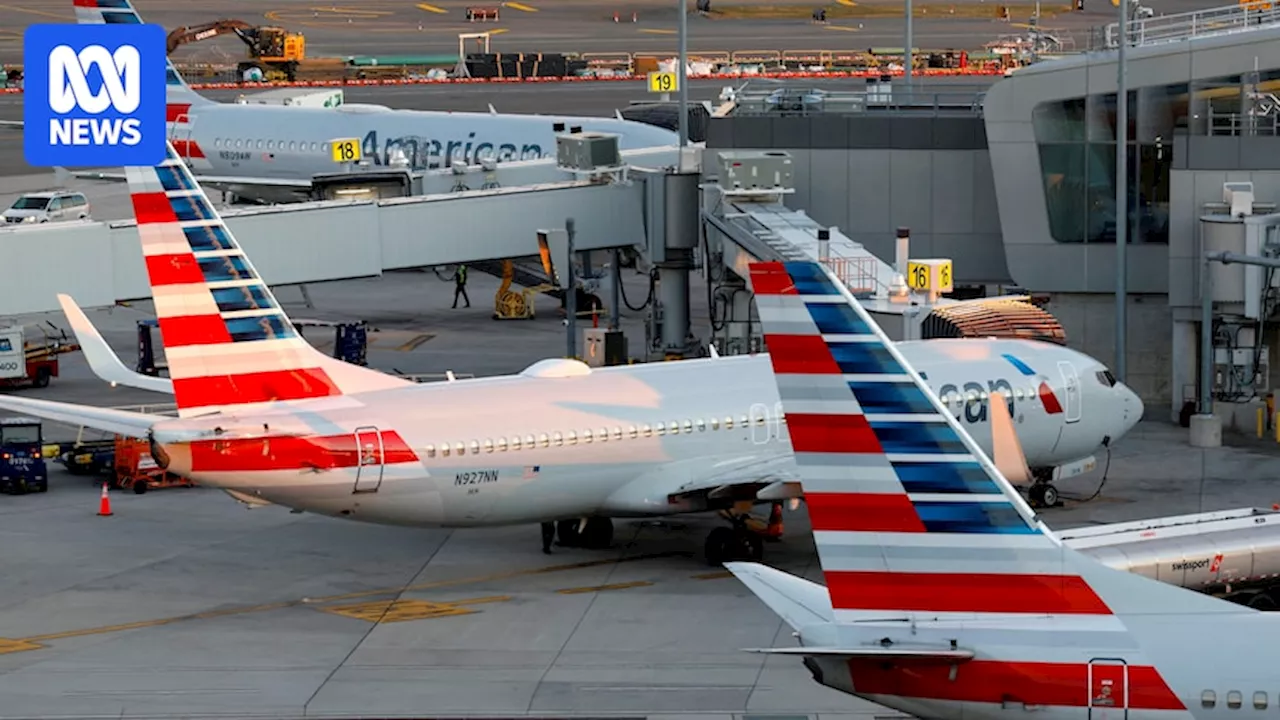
x=1108, y=689
x=369, y=464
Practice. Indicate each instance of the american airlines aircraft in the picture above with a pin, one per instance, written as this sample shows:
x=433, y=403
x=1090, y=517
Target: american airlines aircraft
x=272, y=153
x=269, y=418
x=946, y=596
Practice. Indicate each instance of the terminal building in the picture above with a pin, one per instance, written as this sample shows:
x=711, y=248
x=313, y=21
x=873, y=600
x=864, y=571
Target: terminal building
x=1015, y=183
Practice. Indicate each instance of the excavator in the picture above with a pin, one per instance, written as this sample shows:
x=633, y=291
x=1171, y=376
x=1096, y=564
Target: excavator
x=271, y=49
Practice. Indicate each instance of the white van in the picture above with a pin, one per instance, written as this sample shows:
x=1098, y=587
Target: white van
x=48, y=207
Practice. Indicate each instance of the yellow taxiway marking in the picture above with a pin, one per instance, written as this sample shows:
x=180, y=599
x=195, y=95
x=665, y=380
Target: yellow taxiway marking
x=718, y=575
x=656, y=31
x=381, y=611
x=520, y=6
x=841, y=27
x=414, y=342
x=847, y=3
x=19, y=644
x=19, y=8
x=431, y=8
x=13, y=646
x=602, y=588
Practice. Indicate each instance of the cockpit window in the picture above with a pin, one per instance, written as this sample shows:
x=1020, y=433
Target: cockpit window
x=1106, y=378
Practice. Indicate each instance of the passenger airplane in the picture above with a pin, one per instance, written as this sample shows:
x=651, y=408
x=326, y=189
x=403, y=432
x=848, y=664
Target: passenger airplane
x=267, y=417
x=272, y=153
x=946, y=596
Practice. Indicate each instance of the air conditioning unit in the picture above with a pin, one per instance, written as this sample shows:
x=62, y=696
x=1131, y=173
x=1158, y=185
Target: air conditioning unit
x=756, y=170
x=1231, y=369
x=588, y=151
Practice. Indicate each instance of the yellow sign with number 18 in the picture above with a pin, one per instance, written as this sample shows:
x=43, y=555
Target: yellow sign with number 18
x=346, y=150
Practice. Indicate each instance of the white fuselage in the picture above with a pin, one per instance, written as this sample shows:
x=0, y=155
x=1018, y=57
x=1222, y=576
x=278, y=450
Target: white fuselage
x=615, y=441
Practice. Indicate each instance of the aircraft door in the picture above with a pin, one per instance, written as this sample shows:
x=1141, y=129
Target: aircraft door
x=1071, y=388
x=1108, y=689
x=759, y=424
x=369, y=468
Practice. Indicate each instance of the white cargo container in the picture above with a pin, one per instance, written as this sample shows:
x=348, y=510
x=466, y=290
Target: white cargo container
x=300, y=97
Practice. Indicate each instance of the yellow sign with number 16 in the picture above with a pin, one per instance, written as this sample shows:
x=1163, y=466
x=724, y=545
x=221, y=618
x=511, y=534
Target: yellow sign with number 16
x=346, y=150
x=930, y=275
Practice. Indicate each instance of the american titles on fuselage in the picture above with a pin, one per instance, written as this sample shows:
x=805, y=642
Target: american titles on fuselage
x=424, y=153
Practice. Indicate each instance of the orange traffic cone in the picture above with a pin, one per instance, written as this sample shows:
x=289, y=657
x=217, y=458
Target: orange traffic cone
x=615, y=16
x=774, y=530
x=104, y=506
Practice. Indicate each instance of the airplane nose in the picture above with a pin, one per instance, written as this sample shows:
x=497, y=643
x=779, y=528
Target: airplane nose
x=1131, y=407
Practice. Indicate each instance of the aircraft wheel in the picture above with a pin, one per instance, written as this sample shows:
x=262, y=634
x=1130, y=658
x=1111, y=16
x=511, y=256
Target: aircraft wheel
x=1035, y=495
x=1262, y=601
x=751, y=546
x=1049, y=496
x=567, y=532
x=598, y=535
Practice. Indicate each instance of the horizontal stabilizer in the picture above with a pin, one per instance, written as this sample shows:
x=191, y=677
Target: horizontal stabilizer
x=799, y=602
x=120, y=422
x=918, y=656
x=102, y=360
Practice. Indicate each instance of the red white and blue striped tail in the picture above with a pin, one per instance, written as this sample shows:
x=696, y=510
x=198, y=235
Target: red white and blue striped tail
x=910, y=517
x=227, y=341
x=122, y=12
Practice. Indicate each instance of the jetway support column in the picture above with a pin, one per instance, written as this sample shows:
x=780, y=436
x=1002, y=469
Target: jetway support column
x=680, y=234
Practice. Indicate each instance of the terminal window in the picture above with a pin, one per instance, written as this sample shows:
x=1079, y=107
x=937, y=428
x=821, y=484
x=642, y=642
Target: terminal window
x=1076, y=142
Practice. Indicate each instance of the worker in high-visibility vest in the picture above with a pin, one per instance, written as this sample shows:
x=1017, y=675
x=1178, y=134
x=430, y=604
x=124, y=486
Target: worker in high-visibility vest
x=460, y=286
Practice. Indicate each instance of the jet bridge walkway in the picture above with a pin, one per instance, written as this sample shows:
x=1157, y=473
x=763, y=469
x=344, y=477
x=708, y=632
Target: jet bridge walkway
x=746, y=221
x=100, y=263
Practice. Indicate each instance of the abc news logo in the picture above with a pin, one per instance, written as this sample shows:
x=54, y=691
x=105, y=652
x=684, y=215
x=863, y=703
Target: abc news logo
x=121, y=90
x=95, y=95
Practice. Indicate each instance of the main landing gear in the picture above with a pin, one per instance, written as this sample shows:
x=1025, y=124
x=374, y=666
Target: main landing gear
x=744, y=539
x=1042, y=493
x=593, y=533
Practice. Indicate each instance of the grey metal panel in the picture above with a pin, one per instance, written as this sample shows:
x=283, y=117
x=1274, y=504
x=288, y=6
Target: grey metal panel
x=868, y=191
x=829, y=131
x=752, y=132
x=720, y=133
x=986, y=212
x=82, y=267
x=958, y=133
x=1259, y=153
x=870, y=132
x=1148, y=268
x=953, y=191
x=1183, y=292
x=790, y=132
x=829, y=191
x=506, y=225
x=910, y=192
x=912, y=133
x=802, y=171
x=1181, y=149
x=1213, y=153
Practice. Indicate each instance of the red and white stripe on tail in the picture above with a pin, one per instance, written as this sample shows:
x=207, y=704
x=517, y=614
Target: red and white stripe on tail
x=227, y=341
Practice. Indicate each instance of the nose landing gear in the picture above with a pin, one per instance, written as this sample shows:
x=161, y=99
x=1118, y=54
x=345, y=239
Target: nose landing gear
x=1043, y=493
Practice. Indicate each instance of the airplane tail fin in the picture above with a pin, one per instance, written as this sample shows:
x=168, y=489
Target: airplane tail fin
x=226, y=338
x=911, y=519
x=122, y=12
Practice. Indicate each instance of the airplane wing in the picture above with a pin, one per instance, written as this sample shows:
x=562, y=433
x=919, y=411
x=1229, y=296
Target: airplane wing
x=120, y=422
x=102, y=359
x=710, y=483
x=215, y=181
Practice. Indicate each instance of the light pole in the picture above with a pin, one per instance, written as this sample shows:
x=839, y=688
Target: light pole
x=908, y=54
x=1122, y=195
x=682, y=76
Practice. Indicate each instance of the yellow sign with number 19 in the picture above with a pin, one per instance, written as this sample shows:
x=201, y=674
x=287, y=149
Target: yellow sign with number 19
x=346, y=150
x=663, y=82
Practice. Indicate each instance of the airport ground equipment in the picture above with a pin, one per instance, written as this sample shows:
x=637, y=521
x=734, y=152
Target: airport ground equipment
x=271, y=49
x=27, y=361
x=1234, y=554
x=350, y=343
x=22, y=466
x=509, y=304
x=134, y=468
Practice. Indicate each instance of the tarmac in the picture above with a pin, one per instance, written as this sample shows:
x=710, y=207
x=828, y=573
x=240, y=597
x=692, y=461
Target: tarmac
x=185, y=603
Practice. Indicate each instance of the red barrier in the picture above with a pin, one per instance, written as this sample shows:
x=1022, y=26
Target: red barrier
x=970, y=71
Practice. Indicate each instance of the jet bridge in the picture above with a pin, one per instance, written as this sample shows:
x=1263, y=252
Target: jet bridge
x=745, y=220
x=493, y=213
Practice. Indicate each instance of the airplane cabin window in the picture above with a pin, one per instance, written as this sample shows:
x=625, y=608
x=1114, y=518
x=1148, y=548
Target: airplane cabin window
x=660, y=429
x=259, y=144
x=444, y=449
x=515, y=442
x=715, y=423
x=604, y=434
x=488, y=445
x=238, y=141
x=325, y=148
x=673, y=428
x=728, y=423
x=292, y=145
x=1234, y=699
x=502, y=444
x=1208, y=698
x=475, y=447
x=431, y=451
x=586, y=436
x=543, y=440
x=688, y=426
x=617, y=432
x=702, y=425
x=528, y=442
x=460, y=448
x=571, y=438
x=271, y=144
x=646, y=430
x=1106, y=378
x=557, y=438
x=1260, y=701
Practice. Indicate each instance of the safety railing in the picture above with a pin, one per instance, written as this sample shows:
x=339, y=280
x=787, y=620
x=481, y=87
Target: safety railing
x=1189, y=25
x=859, y=274
x=799, y=100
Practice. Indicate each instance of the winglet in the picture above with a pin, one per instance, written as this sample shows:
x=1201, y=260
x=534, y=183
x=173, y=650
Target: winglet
x=102, y=360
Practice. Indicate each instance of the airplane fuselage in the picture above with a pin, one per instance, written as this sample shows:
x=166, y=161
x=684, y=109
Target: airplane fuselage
x=614, y=442
x=293, y=143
